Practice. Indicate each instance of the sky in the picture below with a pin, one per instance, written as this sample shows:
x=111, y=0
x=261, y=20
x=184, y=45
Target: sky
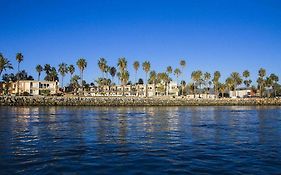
x=224, y=35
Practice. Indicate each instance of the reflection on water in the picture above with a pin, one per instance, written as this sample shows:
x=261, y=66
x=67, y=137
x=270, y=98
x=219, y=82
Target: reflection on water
x=152, y=140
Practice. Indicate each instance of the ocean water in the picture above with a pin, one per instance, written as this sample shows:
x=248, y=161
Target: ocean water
x=140, y=140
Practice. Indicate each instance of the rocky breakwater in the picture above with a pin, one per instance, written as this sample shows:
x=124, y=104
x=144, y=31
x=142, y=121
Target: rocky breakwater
x=131, y=101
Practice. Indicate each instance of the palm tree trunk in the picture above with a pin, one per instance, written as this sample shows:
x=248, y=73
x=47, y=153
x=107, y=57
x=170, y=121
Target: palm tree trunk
x=62, y=81
x=146, y=95
x=18, y=83
x=123, y=89
x=136, y=77
x=82, y=80
x=167, y=88
x=194, y=90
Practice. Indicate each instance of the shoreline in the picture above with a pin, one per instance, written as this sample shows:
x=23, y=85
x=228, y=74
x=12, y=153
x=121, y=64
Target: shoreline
x=133, y=101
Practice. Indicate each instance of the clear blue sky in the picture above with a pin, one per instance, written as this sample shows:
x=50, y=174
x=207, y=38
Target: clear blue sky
x=225, y=35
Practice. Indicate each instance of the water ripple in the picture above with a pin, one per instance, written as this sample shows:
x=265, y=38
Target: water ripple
x=144, y=140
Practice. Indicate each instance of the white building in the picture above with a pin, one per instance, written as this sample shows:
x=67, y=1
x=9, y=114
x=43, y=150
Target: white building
x=240, y=93
x=33, y=87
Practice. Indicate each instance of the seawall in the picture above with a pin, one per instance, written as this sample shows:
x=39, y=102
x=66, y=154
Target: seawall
x=132, y=101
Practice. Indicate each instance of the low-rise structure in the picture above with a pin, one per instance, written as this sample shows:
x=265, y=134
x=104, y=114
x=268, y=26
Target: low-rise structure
x=32, y=87
x=241, y=93
x=138, y=90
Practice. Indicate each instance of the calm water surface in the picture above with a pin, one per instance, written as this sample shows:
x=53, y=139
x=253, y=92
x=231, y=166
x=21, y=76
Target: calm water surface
x=156, y=140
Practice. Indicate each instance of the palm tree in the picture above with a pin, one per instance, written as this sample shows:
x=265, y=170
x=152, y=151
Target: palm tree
x=177, y=73
x=122, y=64
x=123, y=74
x=124, y=77
x=152, y=80
x=261, y=81
x=196, y=76
x=246, y=75
x=4, y=64
x=82, y=64
x=63, y=70
x=215, y=80
x=207, y=82
x=274, y=78
x=71, y=70
x=47, y=68
x=74, y=82
x=112, y=73
x=39, y=69
x=269, y=83
x=236, y=79
x=102, y=63
x=19, y=58
x=229, y=83
x=182, y=64
x=146, y=68
x=222, y=88
x=183, y=87
x=136, y=65
x=164, y=77
x=169, y=71
x=53, y=74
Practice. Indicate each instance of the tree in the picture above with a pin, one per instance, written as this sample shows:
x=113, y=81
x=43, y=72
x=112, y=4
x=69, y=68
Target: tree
x=19, y=58
x=23, y=75
x=269, y=83
x=152, y=80
x=207, y=82
x=247, y=81
x=215, y=80
x=261, y=80
x=71, y=70
x=63, y=69
x=82, y=64
x=177, y=73
x=112, y=73
x=237, y=80
x=123, y=74
x=140, y=81
x=164, y=77
x=222, y=88
x=182, y=64
x=136, y=65
x=102, y=63
x=53, y=75
x=275, y=80
x=124, y=77
x=146, y=68
x=74, y=82
x=196, y=76
x=47, y=68
x=229, y=83
x=9, y=78
x=4, y=64
x=183, y=87
x=122, y=64
x=39, y=69
x=169, y=70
